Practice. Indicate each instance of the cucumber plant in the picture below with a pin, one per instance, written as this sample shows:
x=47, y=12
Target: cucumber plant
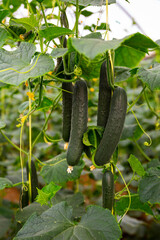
x=64, y=87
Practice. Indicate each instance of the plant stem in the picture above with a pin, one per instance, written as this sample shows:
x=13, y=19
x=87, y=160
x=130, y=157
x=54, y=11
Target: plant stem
x=47, y=119
x=15, y=146
x=44, y=15
x=77, y=17
x=141, y=151
x=137, y=98
x=149, y=106
x=61, y=79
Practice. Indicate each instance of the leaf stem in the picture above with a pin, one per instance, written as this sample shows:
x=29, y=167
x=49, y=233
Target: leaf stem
x=137, y=98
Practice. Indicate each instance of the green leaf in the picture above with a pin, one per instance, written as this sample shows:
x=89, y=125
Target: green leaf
x=91, y=48
x=136, y=205
x=90, y=2
x=56, y=170
x=58, y=52
x=3, y=36
x=30, y=23
x=151, y=77
x=45, y=104
x=54, y=32
x=16, y=66
x=2, y=124
x=75, y=200
x=23, y=106
x=136, y=165
x=122, y=74
x=131, y=131
x=12, y=5
x=149, y=186
x=129, y=50
x=56, y=223
x=3, y=14
x=5, y=183
x=47, y=193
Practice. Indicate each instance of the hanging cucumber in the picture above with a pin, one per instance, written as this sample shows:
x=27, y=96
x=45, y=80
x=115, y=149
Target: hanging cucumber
x=66, y=109
x=34, y=180
x=78, y=122
x=108, y=189
x=114, y=127
x=104, y=98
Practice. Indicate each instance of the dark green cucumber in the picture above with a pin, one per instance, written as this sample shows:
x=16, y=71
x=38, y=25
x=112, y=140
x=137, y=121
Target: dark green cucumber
x=104, y=98
x=78, y=122
x=34, y=180
x=108, y=189
x=24, y=200
x=66, y=109
x=114, y=127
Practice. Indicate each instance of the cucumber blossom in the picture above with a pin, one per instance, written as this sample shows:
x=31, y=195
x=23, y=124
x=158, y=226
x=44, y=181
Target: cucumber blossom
x=104, y=98
x=66, y=109
x=78, y=122
x=114, y=127
x=108, y=189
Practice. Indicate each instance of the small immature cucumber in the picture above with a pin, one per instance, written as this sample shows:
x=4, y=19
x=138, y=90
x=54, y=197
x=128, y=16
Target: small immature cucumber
x=104, y=98
x=34, y=180
x=78, y=122
x=108, y=189
x=114, y=127
x=66, y=109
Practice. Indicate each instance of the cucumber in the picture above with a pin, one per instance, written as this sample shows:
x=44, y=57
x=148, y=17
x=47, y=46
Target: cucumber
x=104, y=98
x=34, y=180
x=66, y=109
x=114, y=127
x=78, y=122
x=108, y=189
x=24, y=200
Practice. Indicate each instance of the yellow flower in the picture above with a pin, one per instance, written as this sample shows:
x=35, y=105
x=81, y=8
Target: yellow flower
x=92, y=167
x=18, y=125
x=23, y=119
x=95, y=79
x=91, y=89
x=50, y=73
x=21, y=36
x=31, y=95
x=3, y=21
x=66, y=146
x=26, y=83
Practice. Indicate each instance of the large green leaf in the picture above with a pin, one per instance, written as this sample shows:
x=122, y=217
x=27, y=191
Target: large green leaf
x=30, y=23
x=3, y=36
x=149, y=186
x=129, y=50
x=136, y=205
x=90, y=2
x=91, y=47
x=56, y=170
x=12, y=5
x=3, y=14
x=56, y=223
x=16, y=66
x=54, y=32
x=5, y=183
x=151, y=77
x=58, y=52
x=76, y=201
